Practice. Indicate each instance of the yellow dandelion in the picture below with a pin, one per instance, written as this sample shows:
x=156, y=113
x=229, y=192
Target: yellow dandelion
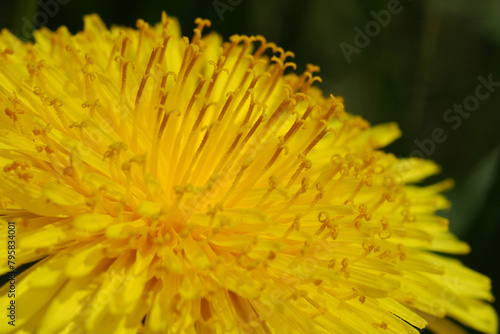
x=175, y=185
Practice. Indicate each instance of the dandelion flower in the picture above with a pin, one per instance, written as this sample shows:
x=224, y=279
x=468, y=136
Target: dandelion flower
x=175, y=185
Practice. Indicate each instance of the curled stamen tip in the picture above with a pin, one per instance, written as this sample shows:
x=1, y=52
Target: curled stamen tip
x=290, y=64
x=289, y=54
x=313, y=68
x=202, y=22
x=141, y=24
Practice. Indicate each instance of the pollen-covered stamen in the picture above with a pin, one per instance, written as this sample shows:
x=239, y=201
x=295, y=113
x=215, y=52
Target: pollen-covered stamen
x=290, y=133
x=88, y=78
x=345, y=269
x=306, y=75
x=44, y=113
x=203, y=143
x=35, y=70
x=74, y=170
x=310, y=80
x=113, y=154
x=333, y=233
x=162, y=118
x=143, y=28
x=202, y=23
x=294, y=227
x=191, y=55
x=11, y=114
x=302, y=190
x=6, y=52
x=220, y=118
x=280, y=110
x=126, y=167
x=281, y=147
x=191, y=137
x=164, y=46
x=326, y=222
x=362, y=182
x=237, y=178
x=202, y=113
x=383, y=198
x=21, y=169
x=225, y=162
x=230, y=97
x=264, y=46
x=145, y=77
x=77, y=126
x=298, y=123
x=140, y=91
x=273, y=183
x=217, y=70
x=56, y=103
x=181, y=132
x=249, y=113
x=362, y=214
x=321, y=192
x=249, y=93
x=316, y=140
x=225, y=158
x=304, y=164
x=407, y=217
x=123, y=74
x=126, y=40
x=277, y=72
x=228, y=54
x=91, y=106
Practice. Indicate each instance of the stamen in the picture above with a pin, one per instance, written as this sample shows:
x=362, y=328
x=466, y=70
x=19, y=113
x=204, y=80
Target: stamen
x=143, y=27
x=316, y=140
x=202, y=23
x=185, y=76
x=140, y=91
x=164, y=48
x=235, y=39
x=273, y=183
x=145, y=77
x=92, y=106
x=244, y=166
x=304, y=164
x=356, y=191
x=345, y=268
x=264, y=45
x=124, y=76
x=277, y=73
x=228, y=153
x=6, y=52
x=217, y=70
x=302, y=190
x=187, y=174
x=294, y=227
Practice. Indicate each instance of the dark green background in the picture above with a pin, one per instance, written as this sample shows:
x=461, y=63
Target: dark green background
x=423, y=62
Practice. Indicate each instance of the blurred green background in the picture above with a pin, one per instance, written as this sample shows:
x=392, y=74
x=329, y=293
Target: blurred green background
x=416, y=67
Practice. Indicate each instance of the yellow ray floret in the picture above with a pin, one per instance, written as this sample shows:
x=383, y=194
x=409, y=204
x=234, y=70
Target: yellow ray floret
x=175, y=185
